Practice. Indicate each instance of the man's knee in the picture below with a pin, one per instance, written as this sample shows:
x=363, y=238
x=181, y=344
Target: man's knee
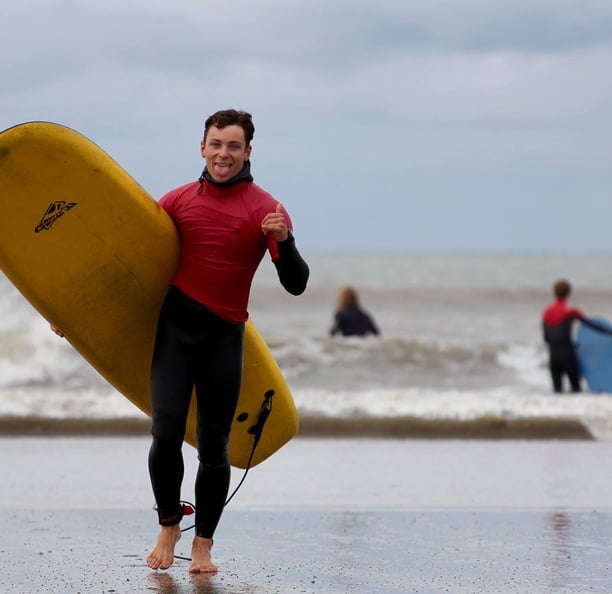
x=212, y=451
x=167, y=427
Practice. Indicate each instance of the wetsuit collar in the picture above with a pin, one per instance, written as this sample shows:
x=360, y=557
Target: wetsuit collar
x=243, y=175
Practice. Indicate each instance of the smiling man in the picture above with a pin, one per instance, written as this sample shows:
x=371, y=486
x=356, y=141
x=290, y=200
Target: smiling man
x=226, y=223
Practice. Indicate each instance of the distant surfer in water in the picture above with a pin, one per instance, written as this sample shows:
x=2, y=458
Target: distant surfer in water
x=350, y=319
x=557, y=322
x=226, y=223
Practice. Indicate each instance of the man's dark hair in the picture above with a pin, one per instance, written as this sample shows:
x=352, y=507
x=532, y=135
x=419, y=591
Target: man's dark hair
x=230, y=117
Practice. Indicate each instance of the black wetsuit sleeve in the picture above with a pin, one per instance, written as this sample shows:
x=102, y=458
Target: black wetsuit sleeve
x=596, y=326
x=374, y=328
x=336, y=328
x=293, y=272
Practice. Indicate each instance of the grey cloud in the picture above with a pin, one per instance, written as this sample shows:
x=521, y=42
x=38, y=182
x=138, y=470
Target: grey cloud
x=454, y=107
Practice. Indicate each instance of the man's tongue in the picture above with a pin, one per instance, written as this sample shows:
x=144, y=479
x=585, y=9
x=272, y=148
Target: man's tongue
x=221, y=169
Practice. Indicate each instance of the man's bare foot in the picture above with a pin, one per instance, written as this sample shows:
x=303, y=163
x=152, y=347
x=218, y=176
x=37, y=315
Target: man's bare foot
x=201, y=561
x=162, y=556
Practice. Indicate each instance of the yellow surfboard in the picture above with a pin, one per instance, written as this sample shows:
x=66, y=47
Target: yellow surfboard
x=94, y=253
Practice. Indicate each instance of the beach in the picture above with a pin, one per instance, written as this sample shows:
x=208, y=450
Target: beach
x=433, y=459
x=321, y=516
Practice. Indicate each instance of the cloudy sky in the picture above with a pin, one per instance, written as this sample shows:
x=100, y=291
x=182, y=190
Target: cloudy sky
x=389, y=125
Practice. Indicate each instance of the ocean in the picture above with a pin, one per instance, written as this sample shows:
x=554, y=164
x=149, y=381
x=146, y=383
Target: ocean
x=460, y=354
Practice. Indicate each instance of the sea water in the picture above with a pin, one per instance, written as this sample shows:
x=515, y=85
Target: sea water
x=461, y=338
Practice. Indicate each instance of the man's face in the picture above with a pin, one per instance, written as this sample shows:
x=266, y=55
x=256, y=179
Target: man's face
x=225, y=152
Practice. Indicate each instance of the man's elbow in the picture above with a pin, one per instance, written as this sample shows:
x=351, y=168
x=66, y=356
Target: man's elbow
x=296, y=289
x=298, y=285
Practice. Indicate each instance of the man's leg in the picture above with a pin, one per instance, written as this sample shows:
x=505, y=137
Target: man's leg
x=573, y=374
x=171, y=389
x=556, y=374
x=218, y=392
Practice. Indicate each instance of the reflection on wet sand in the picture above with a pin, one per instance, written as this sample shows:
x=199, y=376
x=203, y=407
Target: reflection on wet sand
x=558, y=556
x=163, y=582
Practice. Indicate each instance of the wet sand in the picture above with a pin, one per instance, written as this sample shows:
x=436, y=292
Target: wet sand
x=321, y=516
x=313, y=425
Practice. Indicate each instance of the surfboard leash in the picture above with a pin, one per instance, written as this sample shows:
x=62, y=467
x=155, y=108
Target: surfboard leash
x=256, y=430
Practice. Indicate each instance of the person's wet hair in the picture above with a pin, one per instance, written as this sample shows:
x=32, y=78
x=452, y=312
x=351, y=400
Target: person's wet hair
x=348, y=297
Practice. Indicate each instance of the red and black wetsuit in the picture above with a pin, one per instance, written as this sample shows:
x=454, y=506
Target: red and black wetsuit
x=200, y=331
x=557, y=321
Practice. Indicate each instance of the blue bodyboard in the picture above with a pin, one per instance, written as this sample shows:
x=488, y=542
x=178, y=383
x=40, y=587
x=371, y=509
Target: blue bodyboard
x=594, y=350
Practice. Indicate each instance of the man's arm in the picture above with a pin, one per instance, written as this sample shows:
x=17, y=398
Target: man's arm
x=596, y=326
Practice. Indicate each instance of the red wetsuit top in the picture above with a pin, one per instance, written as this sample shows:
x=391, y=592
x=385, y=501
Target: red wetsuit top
x=559, y=312
x=558, y=319
x=221, y=242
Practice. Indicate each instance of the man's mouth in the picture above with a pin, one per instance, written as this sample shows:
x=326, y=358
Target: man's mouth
x=222, y=167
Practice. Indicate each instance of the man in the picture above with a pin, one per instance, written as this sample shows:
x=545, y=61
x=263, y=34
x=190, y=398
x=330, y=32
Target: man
x=557, y=322
x=226, y=223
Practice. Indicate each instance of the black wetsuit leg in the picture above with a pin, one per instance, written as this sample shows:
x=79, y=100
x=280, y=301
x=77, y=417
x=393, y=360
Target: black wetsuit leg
x=556, y=374
x=217, y=389
x=563, y=362
x=573, y=374
x=171, y=388
x=193, y=347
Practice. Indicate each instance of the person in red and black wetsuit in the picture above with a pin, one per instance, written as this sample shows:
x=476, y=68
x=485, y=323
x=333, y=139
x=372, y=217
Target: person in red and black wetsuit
x=226, y=223
x=557, y=321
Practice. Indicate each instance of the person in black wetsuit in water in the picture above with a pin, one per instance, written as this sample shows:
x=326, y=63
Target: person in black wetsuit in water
x=350, y=318
x=557, y=323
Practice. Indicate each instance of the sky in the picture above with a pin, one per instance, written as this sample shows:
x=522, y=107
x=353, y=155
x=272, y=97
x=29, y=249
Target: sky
x=479, y=126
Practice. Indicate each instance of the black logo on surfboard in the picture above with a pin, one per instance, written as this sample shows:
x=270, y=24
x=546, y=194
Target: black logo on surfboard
x=54, y=211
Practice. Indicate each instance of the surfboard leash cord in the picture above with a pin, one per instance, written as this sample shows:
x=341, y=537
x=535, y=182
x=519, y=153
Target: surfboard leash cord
x=257, y=429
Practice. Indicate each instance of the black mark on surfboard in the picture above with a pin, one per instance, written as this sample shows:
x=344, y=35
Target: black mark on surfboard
x=242, y=417
x=54, y=211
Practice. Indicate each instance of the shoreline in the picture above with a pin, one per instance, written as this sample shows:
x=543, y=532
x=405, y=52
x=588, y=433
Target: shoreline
x=404, y=427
